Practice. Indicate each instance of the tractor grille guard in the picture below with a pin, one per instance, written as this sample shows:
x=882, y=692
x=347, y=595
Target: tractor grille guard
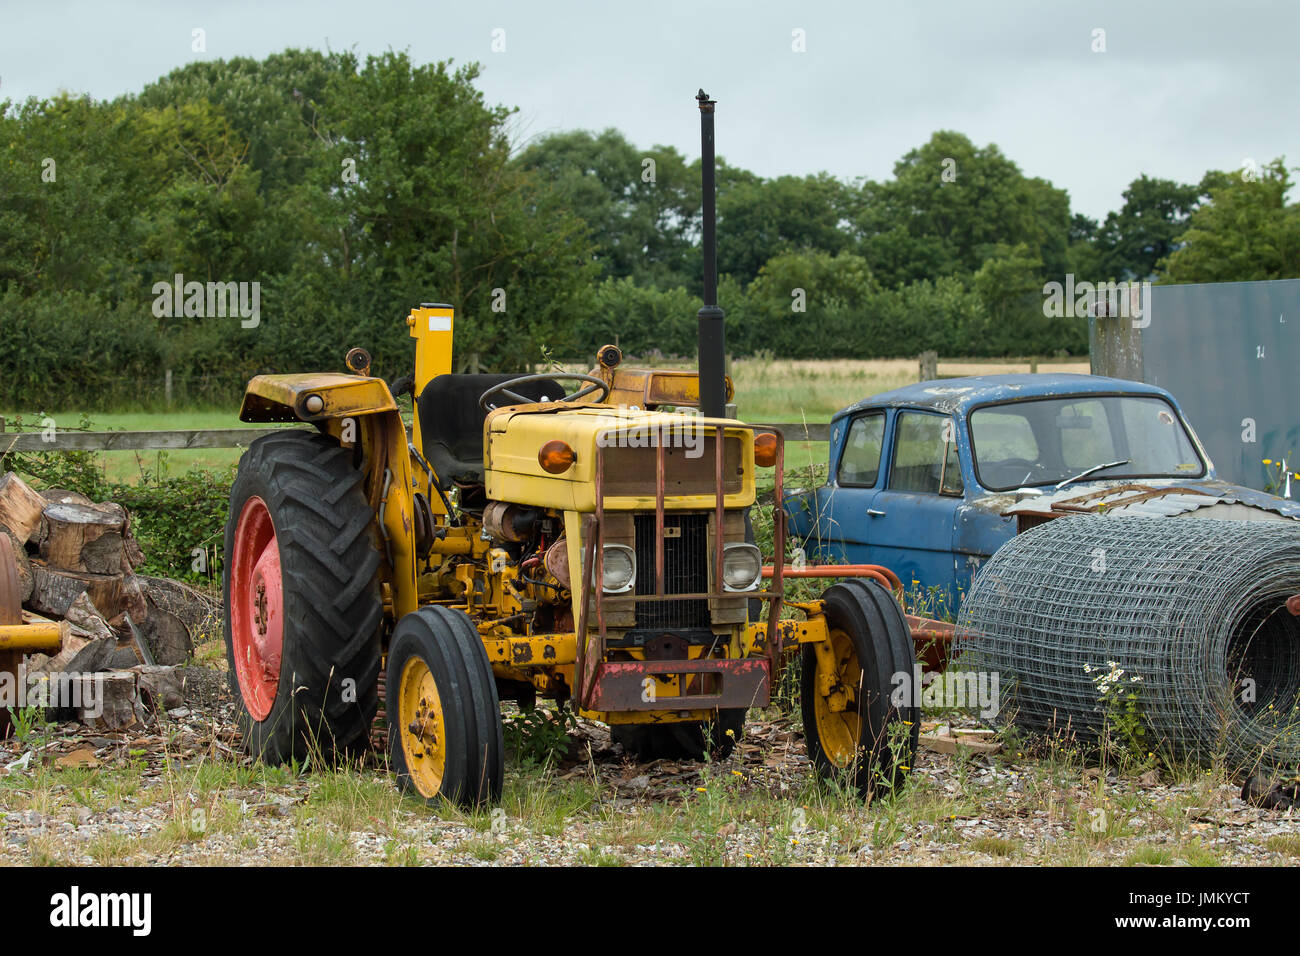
x=618, y=685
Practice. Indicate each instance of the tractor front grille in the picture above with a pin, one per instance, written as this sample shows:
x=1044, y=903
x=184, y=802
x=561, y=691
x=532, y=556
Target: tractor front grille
x=686, y=570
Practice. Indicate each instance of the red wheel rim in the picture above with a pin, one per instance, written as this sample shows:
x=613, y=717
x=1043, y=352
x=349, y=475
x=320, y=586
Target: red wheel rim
x=256, y=608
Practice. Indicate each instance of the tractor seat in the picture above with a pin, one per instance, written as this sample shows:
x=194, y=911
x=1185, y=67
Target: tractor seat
x=451, y=422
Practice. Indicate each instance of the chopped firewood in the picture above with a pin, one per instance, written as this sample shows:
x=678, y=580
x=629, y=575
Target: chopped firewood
x=93, y=656
x=78, y=759
x=64, y=496
x=78, y=537
x=22, y=564
x=72, y=646
x=169, y=639
x=20, y=507
x=109, y=701
x=85, y=617
x=161, y=687
x=113, y=595
x=200, y=613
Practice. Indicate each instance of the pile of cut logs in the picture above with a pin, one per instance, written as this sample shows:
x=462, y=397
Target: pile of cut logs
x=76, y=562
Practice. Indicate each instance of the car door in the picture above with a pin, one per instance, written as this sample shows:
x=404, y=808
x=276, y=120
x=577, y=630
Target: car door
x=845, y=523
x=912, y=515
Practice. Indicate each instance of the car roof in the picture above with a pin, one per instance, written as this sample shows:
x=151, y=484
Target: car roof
x=958, y=395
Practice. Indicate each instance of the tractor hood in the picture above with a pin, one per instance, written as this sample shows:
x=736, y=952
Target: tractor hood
x=627, y=440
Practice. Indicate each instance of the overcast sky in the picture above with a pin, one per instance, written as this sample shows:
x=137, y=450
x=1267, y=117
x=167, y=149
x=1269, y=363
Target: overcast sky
x=1182, y=87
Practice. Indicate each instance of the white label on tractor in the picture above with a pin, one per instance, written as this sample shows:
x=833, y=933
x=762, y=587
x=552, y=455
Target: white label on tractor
x=440, y=323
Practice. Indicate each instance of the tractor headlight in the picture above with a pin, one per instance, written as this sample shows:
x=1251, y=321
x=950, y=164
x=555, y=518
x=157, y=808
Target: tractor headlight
x=619, y=568
x=742, y=566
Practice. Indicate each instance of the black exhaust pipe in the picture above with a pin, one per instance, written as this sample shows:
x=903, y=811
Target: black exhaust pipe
x=713, y=330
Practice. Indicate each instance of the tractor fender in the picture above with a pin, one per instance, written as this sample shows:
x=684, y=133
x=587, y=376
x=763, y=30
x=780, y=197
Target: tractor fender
x=386, y=463
x=286, y=398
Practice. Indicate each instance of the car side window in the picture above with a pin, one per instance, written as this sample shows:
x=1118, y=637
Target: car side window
x=925, y=455
x=860, y=460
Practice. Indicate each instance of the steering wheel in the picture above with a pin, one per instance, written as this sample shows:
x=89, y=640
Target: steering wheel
x=506, y=388
x=1010, y=466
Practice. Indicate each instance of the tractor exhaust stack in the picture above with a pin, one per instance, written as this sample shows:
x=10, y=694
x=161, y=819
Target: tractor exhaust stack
x=713, y=331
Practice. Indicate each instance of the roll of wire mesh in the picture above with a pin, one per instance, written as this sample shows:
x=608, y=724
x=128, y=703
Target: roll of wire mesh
x=1180, y=623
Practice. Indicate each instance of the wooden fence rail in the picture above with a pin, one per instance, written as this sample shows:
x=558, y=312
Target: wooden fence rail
x=180, y=440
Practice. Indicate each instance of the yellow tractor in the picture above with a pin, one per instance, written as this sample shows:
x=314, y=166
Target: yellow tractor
x=583, y=537
x=589, y=546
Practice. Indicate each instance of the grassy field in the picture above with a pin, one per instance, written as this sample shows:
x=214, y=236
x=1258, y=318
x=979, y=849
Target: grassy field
x=787, y=390
x=766, y=390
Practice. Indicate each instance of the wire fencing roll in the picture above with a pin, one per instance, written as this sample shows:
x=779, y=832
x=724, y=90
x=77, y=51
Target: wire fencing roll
x=1180, y=623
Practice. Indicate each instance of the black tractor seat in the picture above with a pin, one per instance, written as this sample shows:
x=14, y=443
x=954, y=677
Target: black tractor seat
x=451, y=422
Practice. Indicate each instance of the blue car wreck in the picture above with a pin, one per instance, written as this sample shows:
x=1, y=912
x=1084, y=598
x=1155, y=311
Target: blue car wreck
x=930, y=479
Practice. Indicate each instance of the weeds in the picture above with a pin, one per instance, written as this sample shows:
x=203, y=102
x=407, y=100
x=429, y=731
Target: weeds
x=539, y=737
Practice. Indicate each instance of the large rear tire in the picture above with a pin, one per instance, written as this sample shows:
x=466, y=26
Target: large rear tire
x=445, y=736
x=302, y=602
x=858, y=733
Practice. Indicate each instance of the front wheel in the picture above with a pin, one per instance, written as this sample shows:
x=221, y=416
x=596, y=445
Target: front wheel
x=858, y=731
x=445, y=737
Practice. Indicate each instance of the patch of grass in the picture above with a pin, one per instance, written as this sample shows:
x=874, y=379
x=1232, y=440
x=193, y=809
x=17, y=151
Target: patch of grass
x=398, y=853
x=599, y=857
x=320, y=845
x=1287, y=844
x=351, y=801
x=113, y=848
x=1192, y=852
x=485, y=848
x=993, y=846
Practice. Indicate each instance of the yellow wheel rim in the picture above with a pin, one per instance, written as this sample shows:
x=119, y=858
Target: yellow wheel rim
x=840, y=730
x=422, y=727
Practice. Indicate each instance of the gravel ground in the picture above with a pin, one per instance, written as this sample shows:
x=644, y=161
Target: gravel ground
x=179, y=793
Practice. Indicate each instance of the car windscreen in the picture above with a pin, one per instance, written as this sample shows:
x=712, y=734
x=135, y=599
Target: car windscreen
x=1045, y=441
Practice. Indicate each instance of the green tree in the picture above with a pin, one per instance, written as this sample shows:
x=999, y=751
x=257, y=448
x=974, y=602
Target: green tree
x=1145, y=229
x=642, y=206
x=949, y=206
x=759, y=219
x=1245, y=231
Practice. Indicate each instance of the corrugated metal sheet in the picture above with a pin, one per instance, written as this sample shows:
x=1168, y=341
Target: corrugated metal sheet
x=1213, y=502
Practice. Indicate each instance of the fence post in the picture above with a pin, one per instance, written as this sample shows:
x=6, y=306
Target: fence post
x=929, y=366
x=1115, y=347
